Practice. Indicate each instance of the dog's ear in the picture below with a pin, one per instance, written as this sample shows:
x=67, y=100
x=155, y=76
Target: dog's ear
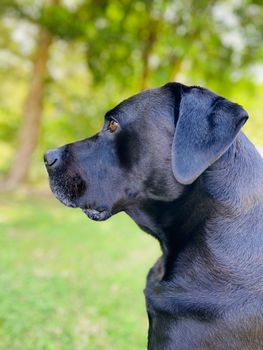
x=207, y=125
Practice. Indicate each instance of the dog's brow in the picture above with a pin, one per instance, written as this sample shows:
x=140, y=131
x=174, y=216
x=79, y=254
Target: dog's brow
x=109, y=116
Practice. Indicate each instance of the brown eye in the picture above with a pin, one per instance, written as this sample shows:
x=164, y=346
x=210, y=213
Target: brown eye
x=113, y=125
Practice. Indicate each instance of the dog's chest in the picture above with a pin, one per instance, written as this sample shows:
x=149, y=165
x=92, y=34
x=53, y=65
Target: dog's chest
x=169, y=298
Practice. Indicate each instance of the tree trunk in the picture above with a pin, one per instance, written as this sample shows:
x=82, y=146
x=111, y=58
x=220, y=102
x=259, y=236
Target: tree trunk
x=29, y=131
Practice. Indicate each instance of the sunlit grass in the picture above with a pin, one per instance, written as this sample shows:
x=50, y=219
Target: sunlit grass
x=69, y=283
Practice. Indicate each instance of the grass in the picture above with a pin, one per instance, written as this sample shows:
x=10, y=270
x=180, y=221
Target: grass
x=67, y=283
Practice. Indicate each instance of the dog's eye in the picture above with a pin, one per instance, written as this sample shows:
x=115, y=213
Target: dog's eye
x=113, y=125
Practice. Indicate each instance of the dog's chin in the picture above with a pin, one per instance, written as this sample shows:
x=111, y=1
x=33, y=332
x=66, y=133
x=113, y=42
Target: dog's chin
x=97, y=215
x=72, y=200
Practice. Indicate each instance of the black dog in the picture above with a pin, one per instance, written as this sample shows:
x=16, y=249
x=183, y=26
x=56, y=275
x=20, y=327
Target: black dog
x=174, y=159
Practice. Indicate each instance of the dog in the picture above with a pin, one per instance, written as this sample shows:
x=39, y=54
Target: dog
x=175, y=160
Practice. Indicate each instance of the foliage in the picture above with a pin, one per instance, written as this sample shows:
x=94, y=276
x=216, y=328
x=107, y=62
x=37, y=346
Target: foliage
x=105, y=50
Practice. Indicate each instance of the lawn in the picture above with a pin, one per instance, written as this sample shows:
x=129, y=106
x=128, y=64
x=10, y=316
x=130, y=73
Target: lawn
x=69, y=283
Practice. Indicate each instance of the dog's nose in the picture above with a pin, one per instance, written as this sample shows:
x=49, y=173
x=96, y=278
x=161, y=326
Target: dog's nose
x=52, y=158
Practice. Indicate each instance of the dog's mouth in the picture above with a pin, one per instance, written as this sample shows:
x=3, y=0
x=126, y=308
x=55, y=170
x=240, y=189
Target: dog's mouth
x=97, y=214
x=73, y=200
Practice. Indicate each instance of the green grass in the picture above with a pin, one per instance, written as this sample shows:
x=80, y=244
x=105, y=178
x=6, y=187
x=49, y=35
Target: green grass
x=69, y=283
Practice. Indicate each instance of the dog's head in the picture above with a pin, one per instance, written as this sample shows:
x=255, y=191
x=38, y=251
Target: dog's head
x=150, y=146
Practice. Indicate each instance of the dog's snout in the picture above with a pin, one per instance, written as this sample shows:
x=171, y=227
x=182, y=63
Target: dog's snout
x=52, y=158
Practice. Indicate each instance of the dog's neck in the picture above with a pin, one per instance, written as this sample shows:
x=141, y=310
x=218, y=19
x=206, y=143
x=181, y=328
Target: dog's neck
x=176, y=223
x=228, y=189
x=236, y=179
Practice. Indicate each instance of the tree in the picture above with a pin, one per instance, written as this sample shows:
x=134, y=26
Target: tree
x=32, y=112
x=133, y=44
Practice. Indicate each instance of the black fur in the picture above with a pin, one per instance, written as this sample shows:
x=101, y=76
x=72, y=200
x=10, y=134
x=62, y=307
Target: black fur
x=127, y=147
x=181, y=168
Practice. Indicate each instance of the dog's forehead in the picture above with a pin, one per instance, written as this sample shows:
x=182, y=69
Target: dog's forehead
x=151, y=102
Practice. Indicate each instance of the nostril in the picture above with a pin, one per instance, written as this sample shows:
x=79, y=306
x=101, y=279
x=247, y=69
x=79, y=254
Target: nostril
x=52, y=157
x=50, y=164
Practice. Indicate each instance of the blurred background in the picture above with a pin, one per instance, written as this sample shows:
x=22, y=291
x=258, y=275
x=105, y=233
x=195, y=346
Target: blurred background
x=67, y=282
